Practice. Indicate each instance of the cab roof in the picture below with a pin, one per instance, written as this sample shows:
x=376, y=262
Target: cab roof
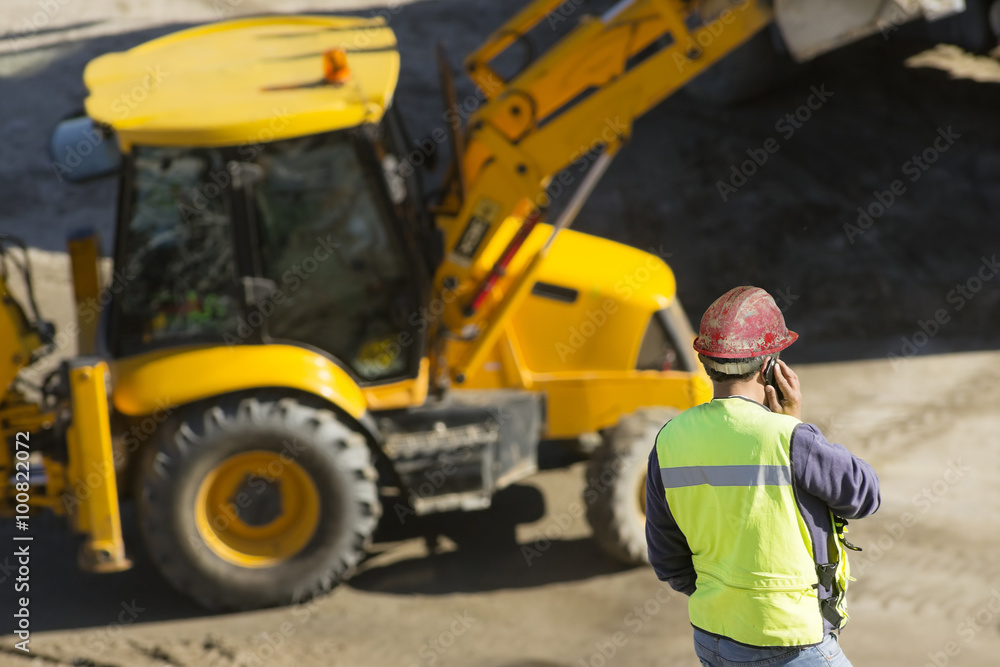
x=246, y=81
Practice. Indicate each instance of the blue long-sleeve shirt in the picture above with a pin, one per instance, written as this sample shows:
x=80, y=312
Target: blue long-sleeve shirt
x=825, y=476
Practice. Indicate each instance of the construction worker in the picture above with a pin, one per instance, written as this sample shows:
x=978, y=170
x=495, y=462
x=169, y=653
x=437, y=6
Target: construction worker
x=746, y=506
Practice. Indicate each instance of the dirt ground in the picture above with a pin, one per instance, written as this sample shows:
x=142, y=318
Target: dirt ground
x=875, y=378
x=522, y=585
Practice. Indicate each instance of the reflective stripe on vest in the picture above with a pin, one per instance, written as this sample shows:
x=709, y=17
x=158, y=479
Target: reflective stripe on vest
x=742, y=475
x=726, y=469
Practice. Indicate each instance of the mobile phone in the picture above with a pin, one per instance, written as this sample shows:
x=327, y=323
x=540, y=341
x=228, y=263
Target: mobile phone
x=771, y=364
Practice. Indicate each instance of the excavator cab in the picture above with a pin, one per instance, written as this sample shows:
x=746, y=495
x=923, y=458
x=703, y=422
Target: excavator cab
x=311, y=240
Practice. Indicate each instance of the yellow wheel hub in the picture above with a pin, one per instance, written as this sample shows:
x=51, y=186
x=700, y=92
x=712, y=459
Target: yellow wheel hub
x=257, y=509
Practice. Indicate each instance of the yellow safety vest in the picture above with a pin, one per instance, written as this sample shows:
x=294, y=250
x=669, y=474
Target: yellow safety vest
x=727, y=473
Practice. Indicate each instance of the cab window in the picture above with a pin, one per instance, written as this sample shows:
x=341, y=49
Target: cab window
x=175, y=251
x=330, y=247
x=660, y=349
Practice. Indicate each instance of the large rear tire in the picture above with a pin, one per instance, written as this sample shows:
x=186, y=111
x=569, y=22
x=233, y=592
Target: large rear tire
x=615, y=495
x=251, y=502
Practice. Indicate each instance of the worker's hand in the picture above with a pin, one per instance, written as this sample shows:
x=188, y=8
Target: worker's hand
x=788, y=381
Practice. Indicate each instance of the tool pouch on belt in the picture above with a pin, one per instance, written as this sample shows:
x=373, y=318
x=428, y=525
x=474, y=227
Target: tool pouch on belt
x=836, y=575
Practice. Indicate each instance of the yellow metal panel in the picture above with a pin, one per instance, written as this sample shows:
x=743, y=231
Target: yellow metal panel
x=583, y=354
x=497, y=371
x=619, y=289
x=511, y=357
x=17, y=340
x=145, y=383
x=91, y=474
x=502, y=368
x=244, y=81
x=405, y=394
x=702, y=389
x=504, y=36
x=12, y=350
x=586, y=403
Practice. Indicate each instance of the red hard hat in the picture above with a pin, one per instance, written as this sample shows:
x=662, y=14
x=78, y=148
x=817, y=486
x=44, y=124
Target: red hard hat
x=743, y=322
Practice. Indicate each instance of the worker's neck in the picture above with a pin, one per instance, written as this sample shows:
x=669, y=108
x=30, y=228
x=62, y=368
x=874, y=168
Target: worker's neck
x=752, y=389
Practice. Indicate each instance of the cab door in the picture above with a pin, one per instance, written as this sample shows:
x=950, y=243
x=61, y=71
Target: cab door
x=336, y=273
x=177, y=279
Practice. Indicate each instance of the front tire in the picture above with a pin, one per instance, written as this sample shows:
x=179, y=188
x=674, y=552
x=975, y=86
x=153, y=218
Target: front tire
x=258, y=501
x=615, y=494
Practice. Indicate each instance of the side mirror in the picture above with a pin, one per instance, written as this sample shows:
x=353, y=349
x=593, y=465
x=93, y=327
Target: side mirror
x=82, y=150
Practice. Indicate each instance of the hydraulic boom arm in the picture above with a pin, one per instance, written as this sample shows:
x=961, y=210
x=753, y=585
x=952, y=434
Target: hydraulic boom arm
x=574, y=106
x=574, y=103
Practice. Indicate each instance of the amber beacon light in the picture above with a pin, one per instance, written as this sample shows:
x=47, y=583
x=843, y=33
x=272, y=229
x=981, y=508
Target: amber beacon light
x=335, y=69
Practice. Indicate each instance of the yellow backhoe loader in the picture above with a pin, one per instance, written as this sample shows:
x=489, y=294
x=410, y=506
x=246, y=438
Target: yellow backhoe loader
x=296, y=342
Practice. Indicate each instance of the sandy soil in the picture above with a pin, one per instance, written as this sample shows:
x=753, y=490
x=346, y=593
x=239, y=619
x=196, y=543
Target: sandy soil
x=928, y=424
x=928, y=572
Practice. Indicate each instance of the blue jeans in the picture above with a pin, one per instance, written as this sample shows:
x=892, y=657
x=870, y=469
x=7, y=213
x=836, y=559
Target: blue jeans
x=716, y=652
